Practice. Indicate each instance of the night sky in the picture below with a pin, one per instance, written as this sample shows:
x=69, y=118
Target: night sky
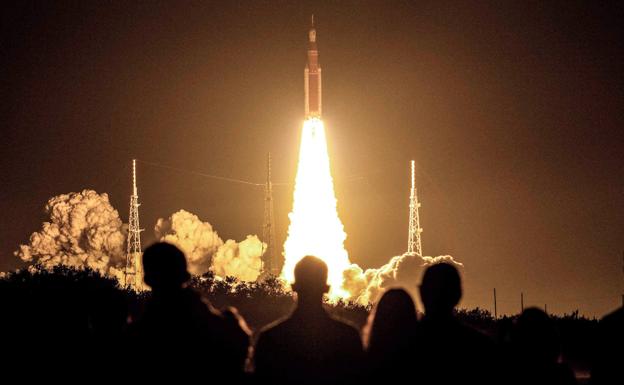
x=513, y=113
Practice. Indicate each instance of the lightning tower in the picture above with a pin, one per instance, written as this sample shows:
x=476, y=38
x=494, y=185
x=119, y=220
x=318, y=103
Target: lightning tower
x=414, y=245
x=270, y=262
x=134, y=270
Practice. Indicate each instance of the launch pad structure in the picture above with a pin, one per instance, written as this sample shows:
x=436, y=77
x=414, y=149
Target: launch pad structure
x=414, y=243
x=133, y=272
x=270, y=261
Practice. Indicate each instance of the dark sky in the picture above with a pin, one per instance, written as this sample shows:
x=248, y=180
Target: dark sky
x=513, y=113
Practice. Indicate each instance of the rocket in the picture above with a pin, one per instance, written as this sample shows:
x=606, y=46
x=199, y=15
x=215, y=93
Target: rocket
x=312, y=77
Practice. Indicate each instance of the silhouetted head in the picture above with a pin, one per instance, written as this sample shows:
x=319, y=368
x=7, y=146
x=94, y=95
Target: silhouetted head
x=440, y=289
x=393, y=320
x=310, y=278
x=534, y=336
x=164, y=266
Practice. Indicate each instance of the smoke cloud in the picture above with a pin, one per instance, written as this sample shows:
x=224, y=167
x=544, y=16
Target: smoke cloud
x=83, y=230
x=205, y=250
x=241, y=260
x=366, y=286
x=197, y=239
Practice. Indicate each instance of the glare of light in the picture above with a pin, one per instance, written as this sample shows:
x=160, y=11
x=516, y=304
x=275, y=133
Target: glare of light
x=315, y=228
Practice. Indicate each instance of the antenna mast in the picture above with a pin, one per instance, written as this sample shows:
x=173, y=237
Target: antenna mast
x=414, y=244
x=134, y=269
x=271, y=264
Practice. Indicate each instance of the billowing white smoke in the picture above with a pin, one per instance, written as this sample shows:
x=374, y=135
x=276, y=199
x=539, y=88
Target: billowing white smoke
x=240, y=260
x=83, y=230
x=365, y=286
x=205, y=250
x=197, y=239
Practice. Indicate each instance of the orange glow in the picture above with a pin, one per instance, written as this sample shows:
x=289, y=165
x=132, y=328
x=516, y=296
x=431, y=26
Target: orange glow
x=315, y=228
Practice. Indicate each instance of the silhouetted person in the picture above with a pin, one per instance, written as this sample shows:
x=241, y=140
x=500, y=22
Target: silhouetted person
x=536, y=351
x=449, y=352
x=608, y=365
x=389, y=338
x=180, y=333
x=108, y=317
x=309, y=347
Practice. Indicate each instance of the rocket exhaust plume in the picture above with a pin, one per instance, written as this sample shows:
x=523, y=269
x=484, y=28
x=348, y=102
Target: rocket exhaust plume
x=315, y=228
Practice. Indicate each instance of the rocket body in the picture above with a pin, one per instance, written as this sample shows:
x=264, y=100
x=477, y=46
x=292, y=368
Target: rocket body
x=312, y=77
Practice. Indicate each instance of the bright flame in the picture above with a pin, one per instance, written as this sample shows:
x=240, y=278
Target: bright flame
x=315, y=228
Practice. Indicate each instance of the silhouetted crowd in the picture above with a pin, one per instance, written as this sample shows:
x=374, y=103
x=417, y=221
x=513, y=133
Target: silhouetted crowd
x=182, y=337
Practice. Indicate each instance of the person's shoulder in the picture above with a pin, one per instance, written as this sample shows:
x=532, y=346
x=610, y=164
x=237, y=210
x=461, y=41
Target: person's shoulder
x=344, y=327
x=272, y=335
x=346, y=334
x=615, y=317
x=201, y=308
x=201, y=303
x=276, y=327
x=611, y=327
x=476, y=336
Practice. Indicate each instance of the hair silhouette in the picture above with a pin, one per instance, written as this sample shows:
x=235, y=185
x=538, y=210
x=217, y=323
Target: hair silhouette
x=393, y=317
x=535, y=336
x=390, y=338
x=449, y=351
x=179, y=329
x=536, y=350
x=309, y=347
x=164, y=266
x=310, y=281
x=440, y=290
